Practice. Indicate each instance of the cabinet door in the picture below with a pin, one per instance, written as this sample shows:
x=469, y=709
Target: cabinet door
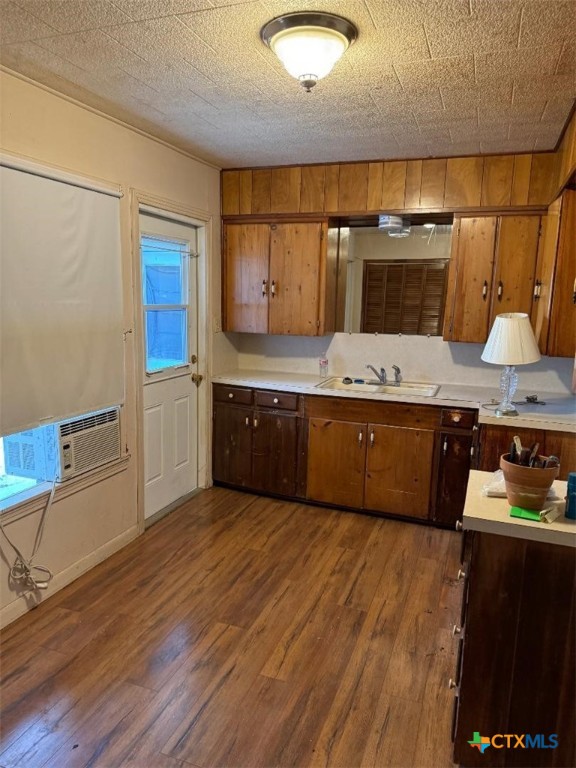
x=516, y=251
x=245, y=277
x=232, y=444
x=544, y=278
x=274, y=456
x=495, y=440
x=562, y=332
x=336, y=460
x=399, y=470
x=453, y=471
x=563, y=445
x=296, y=266
x=470, y=280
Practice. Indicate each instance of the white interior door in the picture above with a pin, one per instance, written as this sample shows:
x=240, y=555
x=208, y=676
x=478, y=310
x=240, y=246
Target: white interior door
x=168, y=257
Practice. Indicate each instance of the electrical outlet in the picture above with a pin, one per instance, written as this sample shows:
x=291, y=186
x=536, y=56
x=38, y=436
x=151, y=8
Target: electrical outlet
x=217, y=324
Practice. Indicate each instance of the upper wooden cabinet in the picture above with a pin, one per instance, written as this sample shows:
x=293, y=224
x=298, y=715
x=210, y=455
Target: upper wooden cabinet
x=274, y=278
x=455, y=183
x=554, y=308
x=492, y=269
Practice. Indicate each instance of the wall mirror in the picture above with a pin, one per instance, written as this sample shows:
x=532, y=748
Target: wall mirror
x=392, y=280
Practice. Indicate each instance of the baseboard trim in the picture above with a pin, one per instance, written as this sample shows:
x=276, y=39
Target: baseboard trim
x=25, y=603
x=170, y=508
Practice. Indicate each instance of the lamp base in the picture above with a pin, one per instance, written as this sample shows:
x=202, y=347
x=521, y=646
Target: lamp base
x=508, y=384
x=504, y=411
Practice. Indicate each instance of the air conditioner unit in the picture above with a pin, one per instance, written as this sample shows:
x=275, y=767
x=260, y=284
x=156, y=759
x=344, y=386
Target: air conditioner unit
x=88, y=442
x=31, y=453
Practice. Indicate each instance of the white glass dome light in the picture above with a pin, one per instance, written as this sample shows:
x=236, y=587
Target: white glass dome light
x=309, y=44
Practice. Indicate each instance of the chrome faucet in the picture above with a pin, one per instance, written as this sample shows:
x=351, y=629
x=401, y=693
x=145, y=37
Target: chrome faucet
x=380, y=376
x=397, y=375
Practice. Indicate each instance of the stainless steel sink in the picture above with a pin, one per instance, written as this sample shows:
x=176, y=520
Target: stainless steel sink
x=414, y=388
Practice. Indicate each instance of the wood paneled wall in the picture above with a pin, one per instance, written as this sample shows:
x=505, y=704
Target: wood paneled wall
x=566, y=165
x=455, y=183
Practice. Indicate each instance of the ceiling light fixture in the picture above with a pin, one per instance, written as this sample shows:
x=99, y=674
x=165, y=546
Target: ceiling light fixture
x=309, y=44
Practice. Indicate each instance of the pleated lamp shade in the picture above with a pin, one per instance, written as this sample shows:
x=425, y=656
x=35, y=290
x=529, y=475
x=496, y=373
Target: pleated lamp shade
x=511, y=341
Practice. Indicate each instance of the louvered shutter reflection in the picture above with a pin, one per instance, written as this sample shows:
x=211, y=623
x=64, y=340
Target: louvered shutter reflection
x=403, y=297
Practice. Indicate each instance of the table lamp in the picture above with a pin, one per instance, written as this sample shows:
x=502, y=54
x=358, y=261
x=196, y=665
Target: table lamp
x=511, y=342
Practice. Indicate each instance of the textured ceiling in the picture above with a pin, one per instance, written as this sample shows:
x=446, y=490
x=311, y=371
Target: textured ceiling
x=425, y=77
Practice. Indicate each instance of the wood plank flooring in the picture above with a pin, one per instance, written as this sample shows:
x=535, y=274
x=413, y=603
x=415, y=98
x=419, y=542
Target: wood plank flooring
x=243, y=632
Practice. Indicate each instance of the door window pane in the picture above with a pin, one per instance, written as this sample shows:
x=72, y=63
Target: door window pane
x=163, y=272
x=165, y=302
x=166, y=342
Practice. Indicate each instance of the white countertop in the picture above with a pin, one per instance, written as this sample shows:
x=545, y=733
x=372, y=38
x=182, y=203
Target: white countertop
x=559, y=412
x=492, y=515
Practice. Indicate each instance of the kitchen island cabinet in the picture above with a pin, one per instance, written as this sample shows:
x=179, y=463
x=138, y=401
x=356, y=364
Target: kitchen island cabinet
x=516, y=671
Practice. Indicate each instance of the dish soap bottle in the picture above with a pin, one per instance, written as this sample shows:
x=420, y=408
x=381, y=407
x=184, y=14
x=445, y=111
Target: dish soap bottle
x=323, y=367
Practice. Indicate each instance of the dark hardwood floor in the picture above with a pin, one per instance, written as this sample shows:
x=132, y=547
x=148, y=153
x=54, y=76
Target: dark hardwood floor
x=242, y=631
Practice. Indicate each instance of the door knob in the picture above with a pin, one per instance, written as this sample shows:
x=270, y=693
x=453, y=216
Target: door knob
x=197, y=378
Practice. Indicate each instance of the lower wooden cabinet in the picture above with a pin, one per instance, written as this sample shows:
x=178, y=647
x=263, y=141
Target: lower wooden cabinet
x=399, y=470
x=336, y=462
x=456, y=450
x=388, y=457
x=384, y=457
x=370, y=466
x=495, y=440
x=517, y=671
x=254, y=444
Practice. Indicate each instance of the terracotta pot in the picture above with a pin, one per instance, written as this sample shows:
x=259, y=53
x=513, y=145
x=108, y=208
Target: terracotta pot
x=527, y=487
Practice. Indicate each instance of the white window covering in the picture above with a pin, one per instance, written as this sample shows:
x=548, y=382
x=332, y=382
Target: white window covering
x=61, y=334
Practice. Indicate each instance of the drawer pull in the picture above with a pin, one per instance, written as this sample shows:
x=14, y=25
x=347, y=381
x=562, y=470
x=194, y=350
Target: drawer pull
x=273, y=289
x=255, y=423
x=445, y=446
x=231, y=395
x=275, y=401
x=456, y=630
x=460, y=575
x=458, y=525
x=264, y=287
x=247, y=421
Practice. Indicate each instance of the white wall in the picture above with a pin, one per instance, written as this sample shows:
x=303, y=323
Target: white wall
x=420, y=358
x=38, y=124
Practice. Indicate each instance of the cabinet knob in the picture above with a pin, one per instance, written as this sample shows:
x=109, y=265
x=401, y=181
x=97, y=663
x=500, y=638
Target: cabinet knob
x=231, y=395
x=452, y=683
x=360, y=437
x=275, y=401
x=456, y=630
x=456, y=418
x=458, y=525
x=460, y=575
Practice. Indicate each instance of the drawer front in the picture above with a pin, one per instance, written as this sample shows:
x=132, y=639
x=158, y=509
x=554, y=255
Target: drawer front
x=455, y=417
x=284, y=400
x=225, y=394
